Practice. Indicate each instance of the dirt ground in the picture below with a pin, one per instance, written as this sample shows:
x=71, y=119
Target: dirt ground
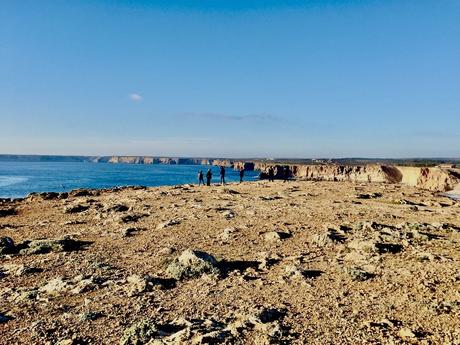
x=301, y=262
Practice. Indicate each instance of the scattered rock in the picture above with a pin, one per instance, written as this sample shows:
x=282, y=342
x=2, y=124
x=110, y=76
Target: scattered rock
x=292, y=272
x=138, y=284
x=369, y=196
x=84, y=284
x=21, y=270
x=406, y=333
x=91, y=315
x=192, y=264
x=228, y=214
x=129, y=218
x=139, y=333
x=228, y=191
x=49, y=195
x=28, y=295
x=118, y=208
x=55, y=287
x=45, y=246
x=166, y=251
x=270, y=197
x=5, y=212
x=359, y=274
x=129, y=231
x=4, y=318
x=76, y=208
x=331, y=236
x=228, y=233
x=276, y=236
x=425, y=256
x=168, y=223
x=83, y=192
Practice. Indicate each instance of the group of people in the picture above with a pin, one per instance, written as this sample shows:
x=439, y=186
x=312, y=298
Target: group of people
x=271, y=175
x=221, y=173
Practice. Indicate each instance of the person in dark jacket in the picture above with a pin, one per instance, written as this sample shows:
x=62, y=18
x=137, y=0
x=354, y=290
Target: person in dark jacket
x=222, y=175
x=241, y=174
x=271, y=174
x=286, y=173
x=208, y=177
x=200, y=178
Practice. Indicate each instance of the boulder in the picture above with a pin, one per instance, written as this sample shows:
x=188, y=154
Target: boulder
x=192, y=264
x=7, y=245
x=138, y=284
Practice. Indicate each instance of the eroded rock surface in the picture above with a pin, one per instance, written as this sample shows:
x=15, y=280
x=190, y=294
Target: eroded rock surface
x=308, y=262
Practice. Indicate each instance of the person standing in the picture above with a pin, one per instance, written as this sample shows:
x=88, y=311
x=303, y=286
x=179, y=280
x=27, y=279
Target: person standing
x=271, y=175
x=208, y=177
x=222, y=175
x=241, y=174
x=286, y=173
x=200, y=178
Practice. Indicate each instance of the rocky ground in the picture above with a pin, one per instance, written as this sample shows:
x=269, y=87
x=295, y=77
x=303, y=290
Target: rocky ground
x=257, y=263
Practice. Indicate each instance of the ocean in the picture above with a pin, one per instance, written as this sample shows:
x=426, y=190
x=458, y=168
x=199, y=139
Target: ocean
x=18, y=179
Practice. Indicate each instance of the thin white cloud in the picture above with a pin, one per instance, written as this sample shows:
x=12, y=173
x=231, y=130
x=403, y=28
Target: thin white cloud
x=135, y=97
x=231, y=117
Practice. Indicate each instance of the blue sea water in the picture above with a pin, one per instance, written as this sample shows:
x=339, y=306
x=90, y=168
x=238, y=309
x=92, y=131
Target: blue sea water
x=18, y=179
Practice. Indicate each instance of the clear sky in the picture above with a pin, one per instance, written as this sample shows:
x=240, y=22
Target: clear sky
x=234, y=78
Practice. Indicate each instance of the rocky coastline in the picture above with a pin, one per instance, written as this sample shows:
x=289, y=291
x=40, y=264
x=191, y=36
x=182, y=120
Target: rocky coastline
x=345, y=262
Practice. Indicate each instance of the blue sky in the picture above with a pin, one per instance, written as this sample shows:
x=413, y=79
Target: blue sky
x=231, y=78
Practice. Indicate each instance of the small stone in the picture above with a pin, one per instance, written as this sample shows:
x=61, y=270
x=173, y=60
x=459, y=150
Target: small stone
x=425, y=256
x=359, y=274
x=166, y=251
x=76, y=208
x=91, y=315
x=128, y=232
x=139, y=333
x=406, y=333
x=227, y=233
x=276, y=236
x=228, y=214
x=168, y=223
x=118, y=208
x=292, y=272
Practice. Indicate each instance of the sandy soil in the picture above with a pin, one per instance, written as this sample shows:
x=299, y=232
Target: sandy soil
x=295, y=263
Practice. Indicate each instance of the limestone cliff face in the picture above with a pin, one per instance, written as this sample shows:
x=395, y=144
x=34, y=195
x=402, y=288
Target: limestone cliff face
x=434, y=178
x=363, y=173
